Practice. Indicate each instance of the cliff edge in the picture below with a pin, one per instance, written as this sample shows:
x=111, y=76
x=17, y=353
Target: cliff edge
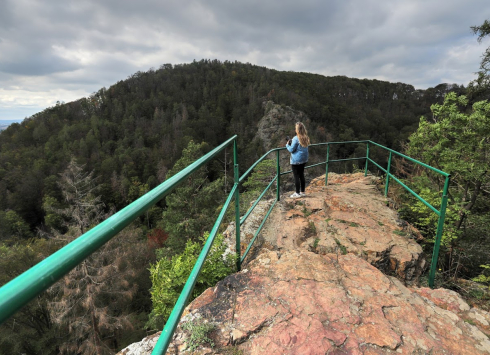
x=331, y=276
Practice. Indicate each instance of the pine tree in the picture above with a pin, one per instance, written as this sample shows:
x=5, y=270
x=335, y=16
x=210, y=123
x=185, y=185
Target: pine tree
x=91, y=301
x=192, y=207
x=79, y=188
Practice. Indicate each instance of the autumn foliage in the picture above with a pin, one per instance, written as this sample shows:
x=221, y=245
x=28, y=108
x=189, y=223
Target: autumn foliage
x=157, y=238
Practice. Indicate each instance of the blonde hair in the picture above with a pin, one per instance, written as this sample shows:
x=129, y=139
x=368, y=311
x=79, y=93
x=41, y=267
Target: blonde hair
x=303, y=138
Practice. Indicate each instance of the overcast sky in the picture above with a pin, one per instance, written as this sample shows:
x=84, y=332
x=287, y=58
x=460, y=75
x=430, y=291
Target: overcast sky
x=62, y=50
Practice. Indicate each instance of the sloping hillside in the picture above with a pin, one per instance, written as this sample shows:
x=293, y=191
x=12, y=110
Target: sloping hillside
x=135, y=130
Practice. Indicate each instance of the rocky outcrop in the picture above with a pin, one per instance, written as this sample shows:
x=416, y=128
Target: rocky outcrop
x=330, y=276
x=277, y=123
x=299, y=302
x=350, y=216
x=144, y=347
x=451, y=301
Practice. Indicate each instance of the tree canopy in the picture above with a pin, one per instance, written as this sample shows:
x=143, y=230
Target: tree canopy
x=138, y=127
x=481, y=85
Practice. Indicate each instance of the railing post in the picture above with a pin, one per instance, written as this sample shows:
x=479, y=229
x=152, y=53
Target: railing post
x=326, y=165
x=388, y=176
x=278, y=192
x=237, y=206
x=440, y=227
x=367, y=157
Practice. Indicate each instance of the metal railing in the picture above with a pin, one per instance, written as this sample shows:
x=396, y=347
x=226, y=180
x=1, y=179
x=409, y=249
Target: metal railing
x=18, y=292
x=441, y=212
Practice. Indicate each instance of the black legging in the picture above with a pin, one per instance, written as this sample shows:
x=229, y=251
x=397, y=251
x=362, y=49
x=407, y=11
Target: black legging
x=299, y=177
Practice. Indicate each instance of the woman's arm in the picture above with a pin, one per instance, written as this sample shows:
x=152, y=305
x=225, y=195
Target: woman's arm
x=294, y=145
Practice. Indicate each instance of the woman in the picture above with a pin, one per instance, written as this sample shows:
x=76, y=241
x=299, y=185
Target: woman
x=298, y=147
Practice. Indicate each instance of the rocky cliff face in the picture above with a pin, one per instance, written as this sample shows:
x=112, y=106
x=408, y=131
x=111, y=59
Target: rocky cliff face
x=277, y=123
x=330, y=277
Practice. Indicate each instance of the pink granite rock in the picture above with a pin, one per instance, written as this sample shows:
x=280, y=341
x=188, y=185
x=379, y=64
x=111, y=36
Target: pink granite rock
x=318, y=291
x=348, y=216
x=299, y=302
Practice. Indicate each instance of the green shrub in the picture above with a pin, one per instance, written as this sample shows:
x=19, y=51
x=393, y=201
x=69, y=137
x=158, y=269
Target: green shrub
x=482, y=278
x=315, y=243
x=426, y=220
x=169, y=275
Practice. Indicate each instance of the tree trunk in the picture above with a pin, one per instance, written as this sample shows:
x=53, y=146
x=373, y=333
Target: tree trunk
x=469, y=205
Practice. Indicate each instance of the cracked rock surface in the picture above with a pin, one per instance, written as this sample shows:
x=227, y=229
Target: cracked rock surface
x=299, y=302
x=348, y=216
x=319, y=288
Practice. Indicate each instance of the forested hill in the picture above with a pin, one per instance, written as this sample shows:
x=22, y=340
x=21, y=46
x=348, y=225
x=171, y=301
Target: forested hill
x=132, y=133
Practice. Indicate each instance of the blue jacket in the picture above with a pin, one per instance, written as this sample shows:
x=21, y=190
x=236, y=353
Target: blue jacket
x=299, y=154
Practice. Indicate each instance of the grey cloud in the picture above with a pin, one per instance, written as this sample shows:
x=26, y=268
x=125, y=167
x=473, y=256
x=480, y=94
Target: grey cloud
x=42, y=64
x=89, y=44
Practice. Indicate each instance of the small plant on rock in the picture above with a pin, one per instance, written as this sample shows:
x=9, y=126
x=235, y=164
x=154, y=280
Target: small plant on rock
x=342, y=247
x=198, y=333
x=306, y=212
x=168, y=276
x=315, y=243
x=311, y=229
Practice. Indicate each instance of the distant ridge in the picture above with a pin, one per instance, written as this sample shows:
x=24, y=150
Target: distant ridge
x=5, y=123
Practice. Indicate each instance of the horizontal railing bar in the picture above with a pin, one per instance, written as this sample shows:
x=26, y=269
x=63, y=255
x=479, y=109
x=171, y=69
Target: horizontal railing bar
x=306, y=167
x=257, y=201
x=18, y=292
x=346, y=142
x=312, y=166
x=411, y=159
x=416, y=195
x=381, y=146
x=408, y=189
x=330, y=161
x=257, y=233
x=379, y=166
x=244, y=176
x=173, y=319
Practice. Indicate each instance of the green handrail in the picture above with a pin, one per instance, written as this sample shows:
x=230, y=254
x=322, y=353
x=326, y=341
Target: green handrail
x=18, y=292
x=441, y=212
